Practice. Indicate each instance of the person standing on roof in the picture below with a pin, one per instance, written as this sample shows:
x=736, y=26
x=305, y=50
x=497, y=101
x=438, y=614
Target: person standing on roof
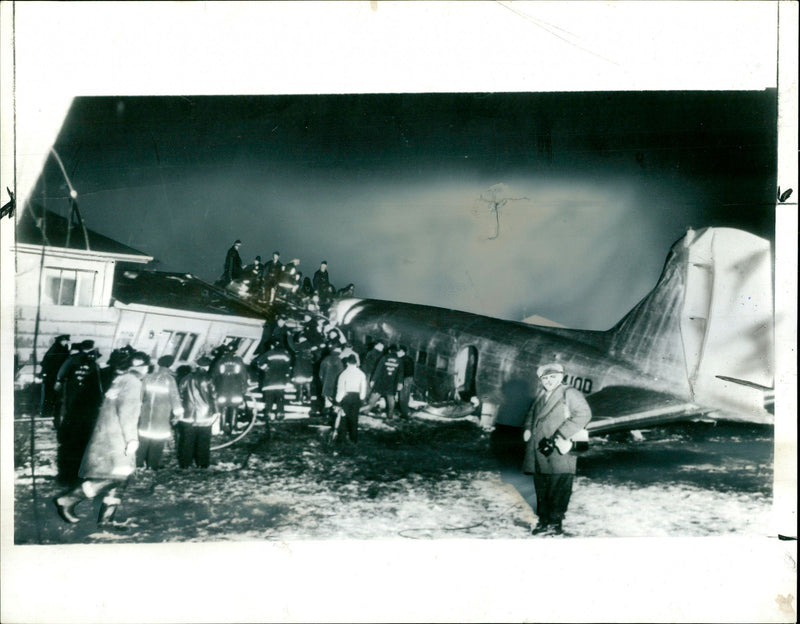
x=252, y=272
x=110, y=457
x=160, y=404
x=194, y=425
x=322, y=282
x=270, y=276
x=558, y=411
x=56, y=355
x=289, y=281
x=233, y=264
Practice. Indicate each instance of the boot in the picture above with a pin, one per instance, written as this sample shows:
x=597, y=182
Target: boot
x=540, y=528
x=105, y=519
x=65, y=505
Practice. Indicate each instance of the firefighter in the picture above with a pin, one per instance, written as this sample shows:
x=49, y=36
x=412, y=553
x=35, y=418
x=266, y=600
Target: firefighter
x=194, y=425
x=229, y=375
x=275, y=368
x=160, y=404
x=386, y=381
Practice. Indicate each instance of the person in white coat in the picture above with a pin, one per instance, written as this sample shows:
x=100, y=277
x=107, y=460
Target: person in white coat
x=110, y=456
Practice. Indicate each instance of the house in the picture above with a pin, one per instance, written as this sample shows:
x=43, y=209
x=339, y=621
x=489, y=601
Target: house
x=72, y=280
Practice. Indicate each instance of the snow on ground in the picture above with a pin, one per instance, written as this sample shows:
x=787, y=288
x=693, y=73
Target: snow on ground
x=416, y=480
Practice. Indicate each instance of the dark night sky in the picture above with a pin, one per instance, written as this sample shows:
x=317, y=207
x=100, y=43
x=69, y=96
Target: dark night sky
x=388, y=188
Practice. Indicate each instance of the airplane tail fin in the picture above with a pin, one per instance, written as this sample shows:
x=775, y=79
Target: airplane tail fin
x=707, y=326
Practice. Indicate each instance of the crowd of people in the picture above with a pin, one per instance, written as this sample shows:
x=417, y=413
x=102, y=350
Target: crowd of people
x=269, y=281
x=114, y=419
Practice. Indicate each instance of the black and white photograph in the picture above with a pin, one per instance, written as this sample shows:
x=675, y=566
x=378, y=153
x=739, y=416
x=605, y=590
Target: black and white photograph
x=532, y=321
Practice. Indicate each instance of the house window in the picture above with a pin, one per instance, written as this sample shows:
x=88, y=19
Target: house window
x=68, y=287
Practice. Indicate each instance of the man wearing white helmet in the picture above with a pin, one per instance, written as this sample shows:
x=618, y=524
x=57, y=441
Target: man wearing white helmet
x=558, y=413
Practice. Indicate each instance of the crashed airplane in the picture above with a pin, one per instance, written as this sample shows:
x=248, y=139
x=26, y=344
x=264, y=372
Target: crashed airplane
x=699, y=344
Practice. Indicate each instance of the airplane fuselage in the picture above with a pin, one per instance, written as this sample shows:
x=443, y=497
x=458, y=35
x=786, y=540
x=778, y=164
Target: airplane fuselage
x=459, y=354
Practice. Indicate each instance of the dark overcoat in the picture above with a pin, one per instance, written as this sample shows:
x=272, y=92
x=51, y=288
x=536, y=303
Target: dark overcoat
x=329, y=370
x=565, y=411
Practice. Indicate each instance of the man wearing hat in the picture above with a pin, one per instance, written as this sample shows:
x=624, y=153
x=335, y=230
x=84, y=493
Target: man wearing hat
x=78, y=380
x=56, y=355
x=558, y=411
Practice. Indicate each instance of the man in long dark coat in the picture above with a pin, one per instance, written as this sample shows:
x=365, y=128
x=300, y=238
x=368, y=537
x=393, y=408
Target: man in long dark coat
x=82, y=394
x=56, y=355
x=329, y=370
x=233, y=264
x=371, y=359
x=559, y=411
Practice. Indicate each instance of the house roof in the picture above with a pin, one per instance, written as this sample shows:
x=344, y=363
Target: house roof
x=177, y=291
x=29, y=230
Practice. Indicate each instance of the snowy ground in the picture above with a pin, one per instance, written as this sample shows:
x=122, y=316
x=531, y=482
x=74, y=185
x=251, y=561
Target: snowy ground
x=415, y=480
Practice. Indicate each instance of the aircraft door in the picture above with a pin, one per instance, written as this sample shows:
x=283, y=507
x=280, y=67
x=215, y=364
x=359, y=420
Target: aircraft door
x=466, y=365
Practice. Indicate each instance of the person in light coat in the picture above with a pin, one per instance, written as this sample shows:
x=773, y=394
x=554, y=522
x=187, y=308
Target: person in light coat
x=558, y=411
x=110, y=457
x=160, y=403
x=351, y=390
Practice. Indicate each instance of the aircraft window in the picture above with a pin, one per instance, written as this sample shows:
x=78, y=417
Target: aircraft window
x=441, y=362
x=245, y=345
x=422, y=357
x=186, y=352
x=174, y=344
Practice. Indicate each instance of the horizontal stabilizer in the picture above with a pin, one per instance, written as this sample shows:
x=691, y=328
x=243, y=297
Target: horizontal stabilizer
x=620, y=408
